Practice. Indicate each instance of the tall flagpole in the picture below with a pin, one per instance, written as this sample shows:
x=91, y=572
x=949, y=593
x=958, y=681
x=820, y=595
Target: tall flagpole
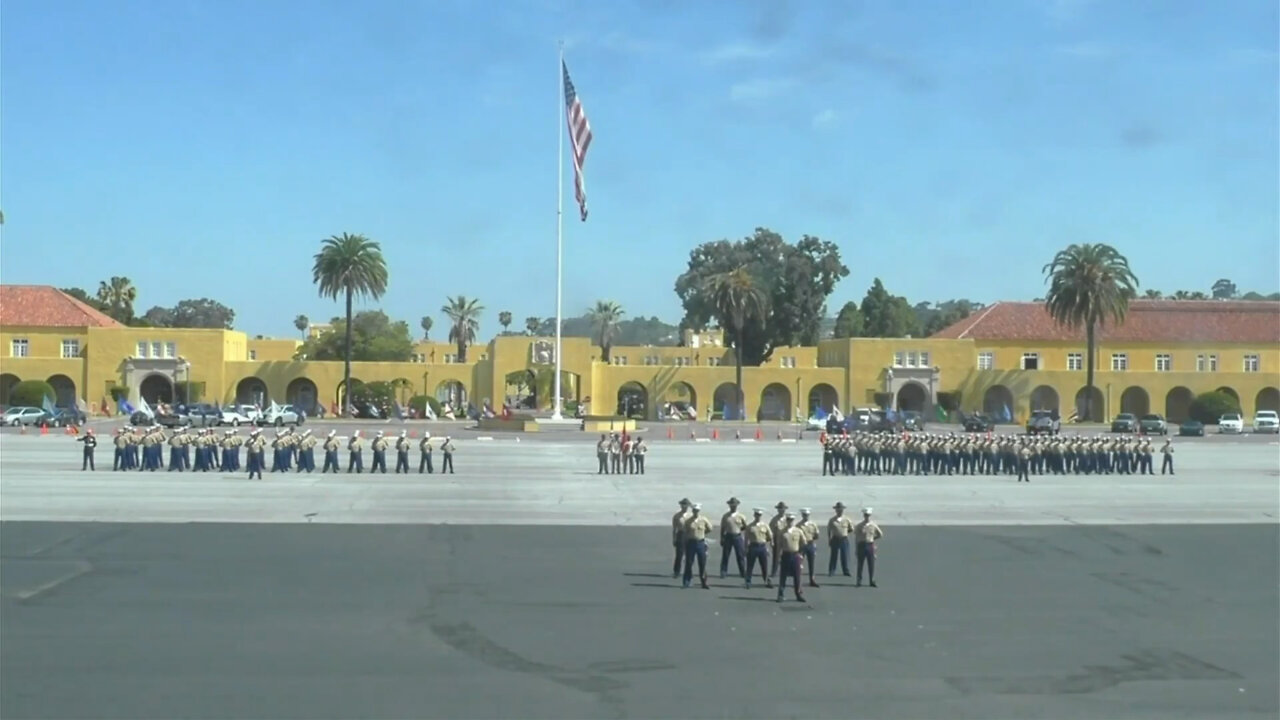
x=560, y=110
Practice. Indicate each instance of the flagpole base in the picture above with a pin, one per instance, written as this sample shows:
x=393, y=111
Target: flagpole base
x=556, y=416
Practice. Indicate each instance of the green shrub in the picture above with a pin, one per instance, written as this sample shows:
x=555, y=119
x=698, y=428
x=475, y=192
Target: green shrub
x=1208, y=407
x=31, y=393
x=950, y=401
x=884, y=400
x=419, y=403
x=118, y=392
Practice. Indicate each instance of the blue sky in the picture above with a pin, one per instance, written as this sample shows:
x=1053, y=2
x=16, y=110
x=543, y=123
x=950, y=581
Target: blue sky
x=204, y=148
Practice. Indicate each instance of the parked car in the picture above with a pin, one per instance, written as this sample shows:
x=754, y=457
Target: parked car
x=1266, y=421
x=977, y=422
x=1043, y=422
x=1153, y=425
x=913, y=421
x=65, y=417
x=237, y=415
x=282, y=415
x=1231, y=423
x=1191, y=428
x=16, y=416
x=201, y=415
x=1125, y=423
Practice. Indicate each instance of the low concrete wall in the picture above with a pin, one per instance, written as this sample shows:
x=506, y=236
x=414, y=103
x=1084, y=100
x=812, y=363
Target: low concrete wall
x=608, y=423
x=514, y=424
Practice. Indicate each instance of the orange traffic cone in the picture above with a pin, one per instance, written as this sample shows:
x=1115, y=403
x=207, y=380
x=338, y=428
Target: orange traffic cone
x=68, y=430
x=670, y=434
x=822, y=436
x=44, y=428
x=413, y=433
x=759, y=435
x=22, y=429
x=715, y=434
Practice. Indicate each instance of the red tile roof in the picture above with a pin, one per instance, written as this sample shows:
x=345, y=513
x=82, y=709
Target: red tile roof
x=46, y=306
x=1173, y=321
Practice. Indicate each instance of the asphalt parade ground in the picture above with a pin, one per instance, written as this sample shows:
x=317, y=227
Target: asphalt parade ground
x=528, y=586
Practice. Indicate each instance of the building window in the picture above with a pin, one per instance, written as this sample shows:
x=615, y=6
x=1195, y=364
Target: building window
x=1119, y=362
x=986, y=360
x=19, y=347
x=70, y=348
x=682, y=361
x=924, y=359
x=1030, y=361
x=253, y=354
x=157, y=349
x=789, y=361
x=170, y=350
x=142, y=349
x=1164, y=362
x=1200, y=364
x=1213, y=363
x=619, y=360
x=1075, y=361
x=899, y=359
x=911, y=358
x=713, y=361
x=1251, y=363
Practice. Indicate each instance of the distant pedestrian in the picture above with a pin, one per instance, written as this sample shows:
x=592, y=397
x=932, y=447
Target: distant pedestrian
x=866, y=533
x=446, y=449
x=1166, y=465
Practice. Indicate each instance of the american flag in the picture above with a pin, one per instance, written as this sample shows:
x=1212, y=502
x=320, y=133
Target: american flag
x=580, y=136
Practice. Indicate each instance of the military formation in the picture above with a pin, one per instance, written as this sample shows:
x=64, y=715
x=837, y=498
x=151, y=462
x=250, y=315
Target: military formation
x=782, y=546
x=206, y=450
x=619, y=454
x=966, y=454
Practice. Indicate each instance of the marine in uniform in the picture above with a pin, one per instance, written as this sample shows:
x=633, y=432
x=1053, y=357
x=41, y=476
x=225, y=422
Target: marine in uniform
x=696, y=528
x=90, y=444
x=446, y=449
x=355, y=453
x=777, y=524
x=307, y=452
x=615, y=454
x=402, y=453
x=838, y=529
x=866, y=533
x=1166, y=465
x=256, y=447
x=379, y=453
x=175, y=452
x=759, y=540
x=791, y=542
x=677, y=535
x=330, y=452
x=732, y=524
x=119, y=443
x=810, y=547
x=424, y=454
x=602, y=455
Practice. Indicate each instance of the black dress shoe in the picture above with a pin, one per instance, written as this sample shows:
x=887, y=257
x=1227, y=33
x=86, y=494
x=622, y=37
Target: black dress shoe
x=873, y=583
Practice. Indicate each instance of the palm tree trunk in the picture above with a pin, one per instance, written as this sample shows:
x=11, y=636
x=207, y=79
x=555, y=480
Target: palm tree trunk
x=737, y=361
x=346, y=360
x=462, y=351
x=604, y=342
x=1088, y=381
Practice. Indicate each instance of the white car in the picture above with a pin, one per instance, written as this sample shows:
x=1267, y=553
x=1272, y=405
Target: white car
x=1231, y=423
x=281, y=415
x=1266, y=421
x=237, y=415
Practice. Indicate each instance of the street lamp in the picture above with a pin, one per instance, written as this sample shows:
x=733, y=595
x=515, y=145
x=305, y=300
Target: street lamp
x=797, y=403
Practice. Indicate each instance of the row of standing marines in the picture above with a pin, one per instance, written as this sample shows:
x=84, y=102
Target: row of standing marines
x=143, y=449
x=782, y=546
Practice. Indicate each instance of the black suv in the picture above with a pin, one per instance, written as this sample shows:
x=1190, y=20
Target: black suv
x=977, y=422
x=1043, y=422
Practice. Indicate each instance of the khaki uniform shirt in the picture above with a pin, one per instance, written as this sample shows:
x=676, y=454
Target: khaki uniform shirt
x=792, y=539
x=696, y=528
x=778, y=524
x=677, y=524
x=732, y=523
x=867, y=531
x=810, y=529
x=758, y=532
x=839, y=527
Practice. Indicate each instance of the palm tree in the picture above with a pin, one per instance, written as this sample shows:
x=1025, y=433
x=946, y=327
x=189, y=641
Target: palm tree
x=1152, y=294
x=1089, y=285
x=426, y=324
x=531, y=324
x=349, y=265
x=464, y=315
x=302, y=323
x=604, y=317
x=737, y=298
x=504, y=319
x=118, y=294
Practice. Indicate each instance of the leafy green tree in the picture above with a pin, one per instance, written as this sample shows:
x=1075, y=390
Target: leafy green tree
x=118, y=295
x=887, y=316
x=948, y=313
x=1209, y=407
x=504, y=319
x=349, y=265
x=161, y=317
x=794, y=279
x=531, y=325
x=201, y=313
x=1224, y=289
x=1089, y=285
x=374, y=337
x=86, y=298
x=848, y=322
x=464, y=319
x=1152, y=294
x=737, y=300
x=604, y=318
x=426, y=324
x=30, y=393
x=301, y=323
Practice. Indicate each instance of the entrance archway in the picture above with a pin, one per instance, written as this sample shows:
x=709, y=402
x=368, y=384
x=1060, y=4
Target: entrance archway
x=823, y=397
x=1268, y=399
x=1230, y=391
x=303, y=395
x=156, y=388
x=681, y=400
x=1135, y=400
x=997, y=403
x=521, y=389
x=1090, y=406
x=725, y=401
x=775, y=403
x=341, y=393
x=912, y=397
x=64, y=391
x=453, y=391
x=7, y=381
x=633, y=400
x=1044, y=397
x=1177, y=404
x=252, y=391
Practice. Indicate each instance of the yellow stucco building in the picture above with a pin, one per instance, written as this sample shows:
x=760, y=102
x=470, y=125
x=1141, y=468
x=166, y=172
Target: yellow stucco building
x=1006, y=355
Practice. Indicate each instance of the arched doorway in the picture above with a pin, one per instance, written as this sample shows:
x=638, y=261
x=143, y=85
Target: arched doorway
x=823, y=397
x=912, y=397
x=341, y=392
x=521, y=389
x=1268, y=399
x=402, y=388
x=64, y=391
x=633, y=400
x=302, y=394
x=252, y=391
x=1177, y=404
x=997, y=403
x=681, y=401
x=1044, y=397
x=1090, y=406
x=1135, y=400
x=453, y=391
x=1230, y=391
x=156, y=388
x=725, y=401
x=775, y=403
x=7, y=381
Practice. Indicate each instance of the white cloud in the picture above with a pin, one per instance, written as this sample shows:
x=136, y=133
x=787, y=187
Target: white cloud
x=736, y=52
x=826, y=117
x=759, y=89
